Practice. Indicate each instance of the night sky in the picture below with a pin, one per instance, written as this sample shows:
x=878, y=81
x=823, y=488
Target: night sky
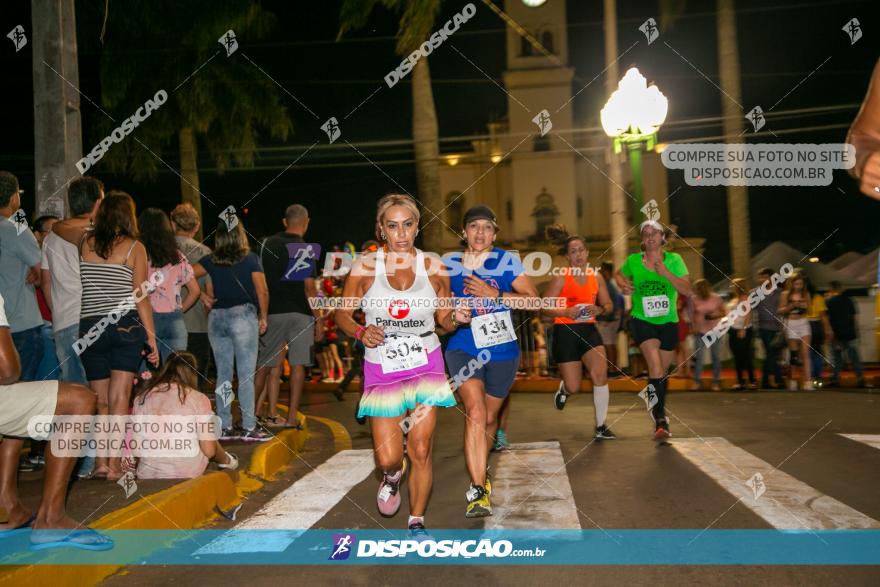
x=780, y=43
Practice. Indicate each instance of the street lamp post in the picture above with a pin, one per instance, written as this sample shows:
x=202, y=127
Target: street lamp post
x=632, y=116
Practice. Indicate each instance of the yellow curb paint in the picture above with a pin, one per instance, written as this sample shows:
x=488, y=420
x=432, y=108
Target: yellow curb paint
x=341, y=437
x=269, y=458
x=188, y=505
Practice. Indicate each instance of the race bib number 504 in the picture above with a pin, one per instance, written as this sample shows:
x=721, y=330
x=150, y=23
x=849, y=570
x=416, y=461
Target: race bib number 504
x=402, y=352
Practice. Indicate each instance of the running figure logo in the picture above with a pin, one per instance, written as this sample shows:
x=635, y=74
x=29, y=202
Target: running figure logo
x=229, y=217
x=854, y=29
x=398, y=309
x=651, y=210
x=650, y=29
x=19, y=219
x=756, y=117
x=19, y=39
x=128, y=484
x=543, y=121
x=224, y=394
x=756, y=482
x=331, y=127
x=229, y=42
x=301, y=258
x=648, y=394
x=342, y=546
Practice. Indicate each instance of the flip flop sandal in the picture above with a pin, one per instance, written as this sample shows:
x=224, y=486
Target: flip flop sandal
x=20, y=528
x=86, y=539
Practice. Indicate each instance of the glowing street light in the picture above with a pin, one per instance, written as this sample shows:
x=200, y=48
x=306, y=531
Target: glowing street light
x=632, y=116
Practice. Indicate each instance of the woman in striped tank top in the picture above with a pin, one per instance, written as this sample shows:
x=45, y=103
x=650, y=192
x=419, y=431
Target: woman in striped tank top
x=404, y=375
x=576, y=340
x=116, y=318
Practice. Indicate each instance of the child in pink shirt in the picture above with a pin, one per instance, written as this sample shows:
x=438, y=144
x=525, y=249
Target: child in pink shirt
x=172, y=392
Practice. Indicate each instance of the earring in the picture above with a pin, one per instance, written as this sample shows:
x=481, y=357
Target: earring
x=382, y=234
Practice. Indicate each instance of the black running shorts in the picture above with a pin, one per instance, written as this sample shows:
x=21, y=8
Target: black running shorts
x=667, y=333
x=572, y=341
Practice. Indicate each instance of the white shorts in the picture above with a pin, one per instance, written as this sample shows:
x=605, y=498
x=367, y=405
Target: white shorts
x=22, y=401
x=797, y=329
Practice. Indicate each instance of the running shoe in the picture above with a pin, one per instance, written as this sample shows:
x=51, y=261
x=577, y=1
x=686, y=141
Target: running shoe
x=661, y=432
x=255, y=435
x=603, y=432
x=230, y=434
x=501, y=443
x=561, y=396
x=478, y=502
x=339, y=393
x=388, y=498
x=418, y=533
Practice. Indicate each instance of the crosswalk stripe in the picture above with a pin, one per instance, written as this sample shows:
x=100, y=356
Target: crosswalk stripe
x=872, y=440
x=780, y=499
x=299, y=506
x=519, y=501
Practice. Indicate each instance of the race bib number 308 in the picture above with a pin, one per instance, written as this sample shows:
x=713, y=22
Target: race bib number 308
x=402, y=352
x=655, y=306
x=492, y=329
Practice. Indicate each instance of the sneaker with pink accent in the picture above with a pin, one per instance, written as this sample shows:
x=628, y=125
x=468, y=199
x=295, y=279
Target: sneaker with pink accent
x=388, y=498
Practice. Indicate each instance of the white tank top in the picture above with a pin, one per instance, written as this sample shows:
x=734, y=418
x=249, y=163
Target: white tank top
x=409, y=312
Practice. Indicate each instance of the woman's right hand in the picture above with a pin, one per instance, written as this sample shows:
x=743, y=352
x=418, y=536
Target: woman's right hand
x=373, y=336
x=626, y=285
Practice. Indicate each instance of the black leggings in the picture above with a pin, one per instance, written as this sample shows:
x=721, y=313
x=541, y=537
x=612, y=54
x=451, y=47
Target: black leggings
x=742, y=354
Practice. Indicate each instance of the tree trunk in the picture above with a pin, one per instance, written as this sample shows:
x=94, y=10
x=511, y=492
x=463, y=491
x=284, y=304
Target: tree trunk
x=189, y=173
x=427, y=151
x=737, y=196
x=616, y=197
x=57, y=127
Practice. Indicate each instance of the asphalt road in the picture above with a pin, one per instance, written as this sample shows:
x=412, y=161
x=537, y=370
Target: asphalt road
x=814, y=477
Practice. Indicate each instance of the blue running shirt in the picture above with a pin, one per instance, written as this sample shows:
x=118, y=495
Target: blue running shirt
x=499, y=270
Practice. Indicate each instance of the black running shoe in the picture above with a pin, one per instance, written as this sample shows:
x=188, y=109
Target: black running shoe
x=603, y=432
x=561, y=397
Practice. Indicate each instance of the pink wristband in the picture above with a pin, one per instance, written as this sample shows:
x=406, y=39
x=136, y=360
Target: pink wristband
x=358, y=332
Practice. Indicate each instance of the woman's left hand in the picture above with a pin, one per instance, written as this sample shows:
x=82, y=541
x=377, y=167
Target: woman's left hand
x=478, y=288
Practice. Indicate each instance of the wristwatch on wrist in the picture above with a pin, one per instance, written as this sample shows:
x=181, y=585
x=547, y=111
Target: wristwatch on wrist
x=454, y=321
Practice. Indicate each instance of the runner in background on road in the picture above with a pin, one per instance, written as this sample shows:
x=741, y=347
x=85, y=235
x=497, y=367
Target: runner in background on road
x=576, y=340
x=486, y=276
x=655, y=277
x=404, y=377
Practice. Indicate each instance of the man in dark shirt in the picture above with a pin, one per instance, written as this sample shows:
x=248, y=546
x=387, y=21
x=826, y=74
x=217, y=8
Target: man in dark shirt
x=289, y=265
x=769, y=325
x=842, y=316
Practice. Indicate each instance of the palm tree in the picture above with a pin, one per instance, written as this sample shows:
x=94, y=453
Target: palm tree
x=737, y=195
x=417, y=20
x=733, y=116
x=222, y=102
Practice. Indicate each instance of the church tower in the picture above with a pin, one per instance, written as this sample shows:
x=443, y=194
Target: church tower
x=541, y=183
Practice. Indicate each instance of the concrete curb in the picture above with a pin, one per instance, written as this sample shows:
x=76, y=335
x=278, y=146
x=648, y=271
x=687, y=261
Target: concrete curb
x=189, y=504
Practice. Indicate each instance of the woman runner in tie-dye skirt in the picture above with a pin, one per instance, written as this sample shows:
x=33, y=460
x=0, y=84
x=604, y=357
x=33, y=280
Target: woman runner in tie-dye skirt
x=404, y=374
